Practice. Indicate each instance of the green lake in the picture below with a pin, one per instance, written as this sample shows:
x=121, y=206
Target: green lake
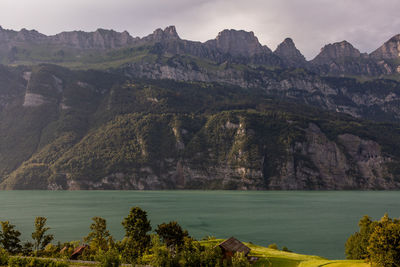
x=306, y=222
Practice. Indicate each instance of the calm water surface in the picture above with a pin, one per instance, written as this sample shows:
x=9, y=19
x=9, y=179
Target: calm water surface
x=306, y=222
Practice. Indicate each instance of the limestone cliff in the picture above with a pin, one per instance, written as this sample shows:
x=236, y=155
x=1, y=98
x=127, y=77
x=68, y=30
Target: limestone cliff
x=389, y=50
x=327, y=93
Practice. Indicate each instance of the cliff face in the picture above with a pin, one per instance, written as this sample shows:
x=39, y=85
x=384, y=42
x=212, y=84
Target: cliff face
x=320, y=163
x=343, y=58
x=239, y=160
x=100, y=39
x=290, y=55
x=238, y=43
x=389, y=50
x=373, y=100
x=337, y=50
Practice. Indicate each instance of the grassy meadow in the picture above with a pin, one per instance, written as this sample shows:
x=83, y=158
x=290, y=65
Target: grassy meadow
x=276, y=258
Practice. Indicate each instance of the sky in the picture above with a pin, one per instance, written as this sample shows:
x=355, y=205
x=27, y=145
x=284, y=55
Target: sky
x=366, y=24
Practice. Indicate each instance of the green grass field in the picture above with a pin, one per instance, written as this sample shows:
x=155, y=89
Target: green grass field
x=276, y=258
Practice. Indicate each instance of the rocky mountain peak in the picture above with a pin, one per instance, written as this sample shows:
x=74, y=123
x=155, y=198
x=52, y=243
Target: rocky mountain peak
x=100, y=39
x=288, y=52
x=389, y=50
x=238, y=43
x=171, y=32
x=25, y=35
x=336, y=50
x=168, y=33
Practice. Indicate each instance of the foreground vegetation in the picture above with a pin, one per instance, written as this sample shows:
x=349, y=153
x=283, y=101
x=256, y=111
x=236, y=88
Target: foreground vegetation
x=376, y=244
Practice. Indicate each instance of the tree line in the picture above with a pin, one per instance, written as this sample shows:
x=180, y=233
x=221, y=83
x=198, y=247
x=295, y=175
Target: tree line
x=377, y=242
x=170, y=245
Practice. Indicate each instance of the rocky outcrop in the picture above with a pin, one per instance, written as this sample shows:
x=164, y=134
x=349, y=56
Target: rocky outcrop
x=389, y=50
x=160, y=35
x=229, y=46
x=100, y=39
x=238, y=43
x=319, y=163
x=335, y=51
x=12, y=87
x=343, y=59
x=373, y=102
x=289, y=54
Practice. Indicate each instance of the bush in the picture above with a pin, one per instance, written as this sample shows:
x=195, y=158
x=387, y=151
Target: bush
x=3, y=257
x=110, y=258
x=273, y=246
x=33, y=262
x=240, y=260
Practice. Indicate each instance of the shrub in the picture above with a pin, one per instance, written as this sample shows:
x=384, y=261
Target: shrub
x=110, y=258
x=273, y=246
x=3, y=257
x=34, y=262
x=239, y=260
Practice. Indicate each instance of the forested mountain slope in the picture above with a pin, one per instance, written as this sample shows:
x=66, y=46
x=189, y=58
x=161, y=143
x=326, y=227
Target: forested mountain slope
x=69, y=129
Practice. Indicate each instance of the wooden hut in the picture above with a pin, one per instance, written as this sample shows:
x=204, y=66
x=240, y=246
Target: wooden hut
x=230, y=246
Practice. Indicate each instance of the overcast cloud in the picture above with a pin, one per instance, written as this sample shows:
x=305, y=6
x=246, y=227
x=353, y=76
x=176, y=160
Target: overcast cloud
x=311, y=23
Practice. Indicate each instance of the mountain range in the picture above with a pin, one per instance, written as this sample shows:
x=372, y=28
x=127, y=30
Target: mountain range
x=232, y=46
x=105, y=110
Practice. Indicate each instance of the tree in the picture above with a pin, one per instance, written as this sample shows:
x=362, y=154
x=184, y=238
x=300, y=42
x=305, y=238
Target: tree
x=384, y=243
x=40, y=238
x=356, y=245
x=98, y=237
x=137, y=225
x=136, y=239
x=9, y=237
x=172, y=234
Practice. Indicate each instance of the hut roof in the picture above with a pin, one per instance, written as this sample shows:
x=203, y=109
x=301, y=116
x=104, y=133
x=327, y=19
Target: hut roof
x=234, y=245
x=78, y=251
x=63, y=249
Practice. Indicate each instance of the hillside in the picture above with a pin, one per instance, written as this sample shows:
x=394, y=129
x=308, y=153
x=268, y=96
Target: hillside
x=68, y=129
x=277, y=258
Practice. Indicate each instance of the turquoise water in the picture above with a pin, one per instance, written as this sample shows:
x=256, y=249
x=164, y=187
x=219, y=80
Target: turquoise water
x=306, y=222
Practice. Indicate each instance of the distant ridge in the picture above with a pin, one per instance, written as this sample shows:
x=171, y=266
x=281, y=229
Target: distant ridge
x=236, y=46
